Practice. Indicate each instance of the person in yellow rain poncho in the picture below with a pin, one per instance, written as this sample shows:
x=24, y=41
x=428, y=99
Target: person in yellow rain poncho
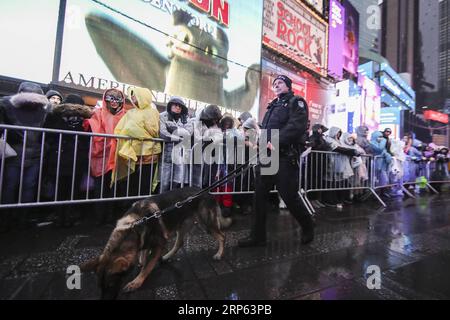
x=137, y=160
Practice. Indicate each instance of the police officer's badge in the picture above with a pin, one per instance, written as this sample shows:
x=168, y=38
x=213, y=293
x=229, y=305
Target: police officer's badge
x=301, y=104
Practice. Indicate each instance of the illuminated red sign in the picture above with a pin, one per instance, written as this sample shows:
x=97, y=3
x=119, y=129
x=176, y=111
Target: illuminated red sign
x=295, y=31
x=436, y=116
x=218, y=9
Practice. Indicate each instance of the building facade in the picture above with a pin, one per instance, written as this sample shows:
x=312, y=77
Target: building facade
x=400, y=36
x=444, y=48
x=369, y=25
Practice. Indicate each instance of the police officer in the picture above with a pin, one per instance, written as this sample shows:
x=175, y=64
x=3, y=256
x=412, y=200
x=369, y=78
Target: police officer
x=289, y=114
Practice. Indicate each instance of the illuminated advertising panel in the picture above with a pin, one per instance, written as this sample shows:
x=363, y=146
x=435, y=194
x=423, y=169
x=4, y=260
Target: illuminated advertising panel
x=207, y=51
x=370, y=103
x=295, y=31
x=367, y=69
x=401, y=96
x=336, y=112
x=351, y=42
x=436, y=116
x=28, y=33
x=336, y=40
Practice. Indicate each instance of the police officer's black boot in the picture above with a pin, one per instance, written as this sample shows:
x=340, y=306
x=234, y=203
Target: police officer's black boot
x=308, y=225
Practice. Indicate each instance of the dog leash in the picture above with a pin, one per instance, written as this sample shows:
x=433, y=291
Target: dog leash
x=232, y=175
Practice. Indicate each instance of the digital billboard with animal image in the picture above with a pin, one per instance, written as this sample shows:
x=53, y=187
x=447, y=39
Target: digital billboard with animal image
x=295, y=31
x=207, y=51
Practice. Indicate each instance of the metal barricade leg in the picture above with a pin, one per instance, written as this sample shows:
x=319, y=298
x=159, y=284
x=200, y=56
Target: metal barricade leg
x=406, y=191
x=378, y=197
x=432, y=189
x=304, y=197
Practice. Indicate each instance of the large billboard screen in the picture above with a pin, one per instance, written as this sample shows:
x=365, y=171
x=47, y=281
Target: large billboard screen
x=206, y=51
x=28, y=33
x=370, y=103
x=296, y=32
x=344, y=111
x=336, y=42
x=351, y=43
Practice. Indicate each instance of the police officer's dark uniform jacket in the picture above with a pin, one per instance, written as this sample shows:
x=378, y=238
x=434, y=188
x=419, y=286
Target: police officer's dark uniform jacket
x=289, y=114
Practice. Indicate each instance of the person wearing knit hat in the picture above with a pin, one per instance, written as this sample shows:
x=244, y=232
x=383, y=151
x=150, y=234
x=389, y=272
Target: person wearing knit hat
x=244, y=117
x=74, y=99
x=250, y=123
x=30, y=87
x=285, y=79
x=54, y=97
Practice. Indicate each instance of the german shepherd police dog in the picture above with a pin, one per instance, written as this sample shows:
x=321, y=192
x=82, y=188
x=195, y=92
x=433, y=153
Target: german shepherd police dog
x=128, y=246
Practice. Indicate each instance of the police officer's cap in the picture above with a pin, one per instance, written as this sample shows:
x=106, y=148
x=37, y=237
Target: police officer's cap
x=285, y=79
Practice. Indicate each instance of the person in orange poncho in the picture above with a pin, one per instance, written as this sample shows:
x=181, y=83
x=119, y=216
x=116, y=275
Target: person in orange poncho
x=103, y=150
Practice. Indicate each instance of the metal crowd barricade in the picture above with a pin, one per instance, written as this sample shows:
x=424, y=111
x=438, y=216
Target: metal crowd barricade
x=204, y=172
x=53, y=182
x=384, y=178
x=62, y=165
x=323, y=171
x=439, y=172
x=435, y=173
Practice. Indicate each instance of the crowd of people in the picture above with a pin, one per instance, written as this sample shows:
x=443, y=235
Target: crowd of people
x=72, y=165
x=396, y=162
x=64, y=167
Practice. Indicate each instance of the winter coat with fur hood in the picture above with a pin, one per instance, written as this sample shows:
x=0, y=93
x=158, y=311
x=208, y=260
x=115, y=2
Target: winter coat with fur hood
x=67, y=117
x=28, y=110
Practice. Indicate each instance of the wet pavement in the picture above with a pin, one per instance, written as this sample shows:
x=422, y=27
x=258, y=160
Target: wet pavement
x=409, y=241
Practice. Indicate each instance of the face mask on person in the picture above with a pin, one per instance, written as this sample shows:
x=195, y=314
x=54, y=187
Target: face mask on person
x=73, y=121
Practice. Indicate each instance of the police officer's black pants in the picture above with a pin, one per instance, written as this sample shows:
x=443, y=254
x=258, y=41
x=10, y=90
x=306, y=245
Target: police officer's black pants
x=287, y=182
